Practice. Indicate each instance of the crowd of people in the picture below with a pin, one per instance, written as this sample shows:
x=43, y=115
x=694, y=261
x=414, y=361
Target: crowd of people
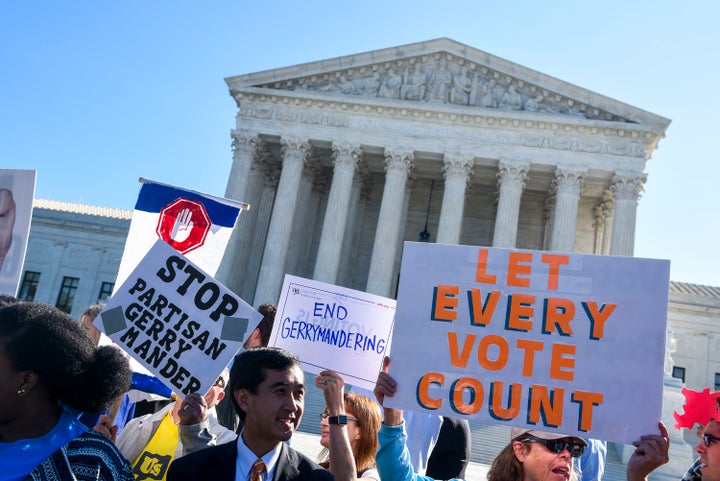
x=60, y=389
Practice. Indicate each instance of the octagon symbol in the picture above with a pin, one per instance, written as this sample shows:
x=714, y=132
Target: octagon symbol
x=183, y=224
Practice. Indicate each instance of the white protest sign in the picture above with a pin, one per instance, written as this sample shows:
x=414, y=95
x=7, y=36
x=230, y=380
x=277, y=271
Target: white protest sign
x=565, y=343
x=177, y=321
x=333, y=327
x=17, y=189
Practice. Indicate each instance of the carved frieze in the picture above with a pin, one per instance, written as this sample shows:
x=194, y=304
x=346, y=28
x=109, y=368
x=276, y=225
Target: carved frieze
x=557, y=136
x=445, y=79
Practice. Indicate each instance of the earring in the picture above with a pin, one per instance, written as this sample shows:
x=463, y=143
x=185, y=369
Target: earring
x=21, y=392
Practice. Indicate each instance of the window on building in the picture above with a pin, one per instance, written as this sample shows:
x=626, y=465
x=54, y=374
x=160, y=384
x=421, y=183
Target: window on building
x=717, y=381
x=67, y=294
x=679, y=372
x=105, y=291
x=29, y=285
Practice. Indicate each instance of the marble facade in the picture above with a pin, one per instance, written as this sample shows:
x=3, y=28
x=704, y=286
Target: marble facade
x=351, y=156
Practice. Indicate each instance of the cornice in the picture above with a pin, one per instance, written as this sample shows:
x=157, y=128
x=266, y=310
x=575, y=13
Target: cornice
x=555, y=132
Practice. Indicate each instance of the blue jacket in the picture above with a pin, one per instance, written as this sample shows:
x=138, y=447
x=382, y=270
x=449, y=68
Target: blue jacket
x=393, y=458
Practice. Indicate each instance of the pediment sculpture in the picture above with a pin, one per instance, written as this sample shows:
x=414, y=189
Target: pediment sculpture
x=445, y=79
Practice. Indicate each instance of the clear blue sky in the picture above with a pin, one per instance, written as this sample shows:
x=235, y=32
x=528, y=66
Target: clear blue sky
x=97, y=94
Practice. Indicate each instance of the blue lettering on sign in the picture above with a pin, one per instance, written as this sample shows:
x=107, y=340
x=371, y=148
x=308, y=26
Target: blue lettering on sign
x=333, y=311
x=356, y=341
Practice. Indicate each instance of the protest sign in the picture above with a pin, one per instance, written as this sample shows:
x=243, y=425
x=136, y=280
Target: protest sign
x=177, y=321
x=17, y=188
x=333, y=327
x=566, y=343
x=197, y=225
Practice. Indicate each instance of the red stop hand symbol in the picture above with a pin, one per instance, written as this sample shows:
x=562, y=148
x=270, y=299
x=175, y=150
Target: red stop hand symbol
x=184, y=224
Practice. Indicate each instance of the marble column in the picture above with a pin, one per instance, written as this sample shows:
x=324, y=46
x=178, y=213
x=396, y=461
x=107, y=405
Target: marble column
x=568, y=185
x=602, y=213
x=345, y=159
x=272, y=269
x=304, y=221
x=356, y=212
x=244, y=145
x=609, y=216
x=511, y=177
x=232, y=270
x=317, y=208
x=626, y=188
x=397, y=167
x=259, y=232
x=456, y=171
x=395, y=275
x=548, y=211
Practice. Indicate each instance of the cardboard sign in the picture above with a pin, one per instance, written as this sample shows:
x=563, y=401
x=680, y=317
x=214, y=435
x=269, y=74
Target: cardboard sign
x=177, y=321
x=332, y=327
x=565, y=343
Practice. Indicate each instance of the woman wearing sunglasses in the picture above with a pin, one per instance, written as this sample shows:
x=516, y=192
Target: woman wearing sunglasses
x=539, y=453
x=530, y=456
x=350, y=427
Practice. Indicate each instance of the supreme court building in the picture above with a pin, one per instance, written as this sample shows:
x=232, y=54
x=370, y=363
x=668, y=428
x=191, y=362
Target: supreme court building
x=344, y=159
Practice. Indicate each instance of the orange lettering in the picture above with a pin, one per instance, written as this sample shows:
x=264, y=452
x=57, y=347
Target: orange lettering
x=423, y=387
x=546, y=406
x=597, y=317
x=481, y=275
x=558, y=312
x=497, y=410
x=519, y=312
x=480, y=315
x=530, y=348
x=445, y=300
x=587, y=401
x=476, y=395
x=460, y=359
x=503, y=352
x=516, y=269
x=562, y=358
x=554, y=262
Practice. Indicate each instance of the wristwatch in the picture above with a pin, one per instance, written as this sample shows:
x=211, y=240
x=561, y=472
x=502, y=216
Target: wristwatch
x=342, y=419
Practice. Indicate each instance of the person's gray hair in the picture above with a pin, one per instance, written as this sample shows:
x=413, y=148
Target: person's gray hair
x=92, y=311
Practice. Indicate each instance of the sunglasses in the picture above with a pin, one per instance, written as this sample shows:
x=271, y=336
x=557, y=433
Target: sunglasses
x=557, y=446
x=708, y=439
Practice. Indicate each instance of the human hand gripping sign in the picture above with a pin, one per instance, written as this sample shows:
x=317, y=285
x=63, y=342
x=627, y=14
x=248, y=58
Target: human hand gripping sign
x=332, y=385
x=183, y=226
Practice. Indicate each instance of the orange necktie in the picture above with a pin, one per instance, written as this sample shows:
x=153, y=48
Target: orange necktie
x=257, y=469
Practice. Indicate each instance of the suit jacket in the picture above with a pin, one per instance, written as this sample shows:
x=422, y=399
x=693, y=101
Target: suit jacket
x=451, y=454
x=217, y=463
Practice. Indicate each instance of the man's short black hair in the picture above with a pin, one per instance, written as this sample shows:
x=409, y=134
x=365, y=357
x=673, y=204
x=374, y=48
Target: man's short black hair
x=248, y=369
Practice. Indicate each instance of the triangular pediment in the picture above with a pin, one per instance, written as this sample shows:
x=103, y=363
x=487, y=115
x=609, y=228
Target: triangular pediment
x=444, y=72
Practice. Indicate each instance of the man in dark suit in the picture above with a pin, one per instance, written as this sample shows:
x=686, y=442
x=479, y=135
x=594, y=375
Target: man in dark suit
x=268, y=390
